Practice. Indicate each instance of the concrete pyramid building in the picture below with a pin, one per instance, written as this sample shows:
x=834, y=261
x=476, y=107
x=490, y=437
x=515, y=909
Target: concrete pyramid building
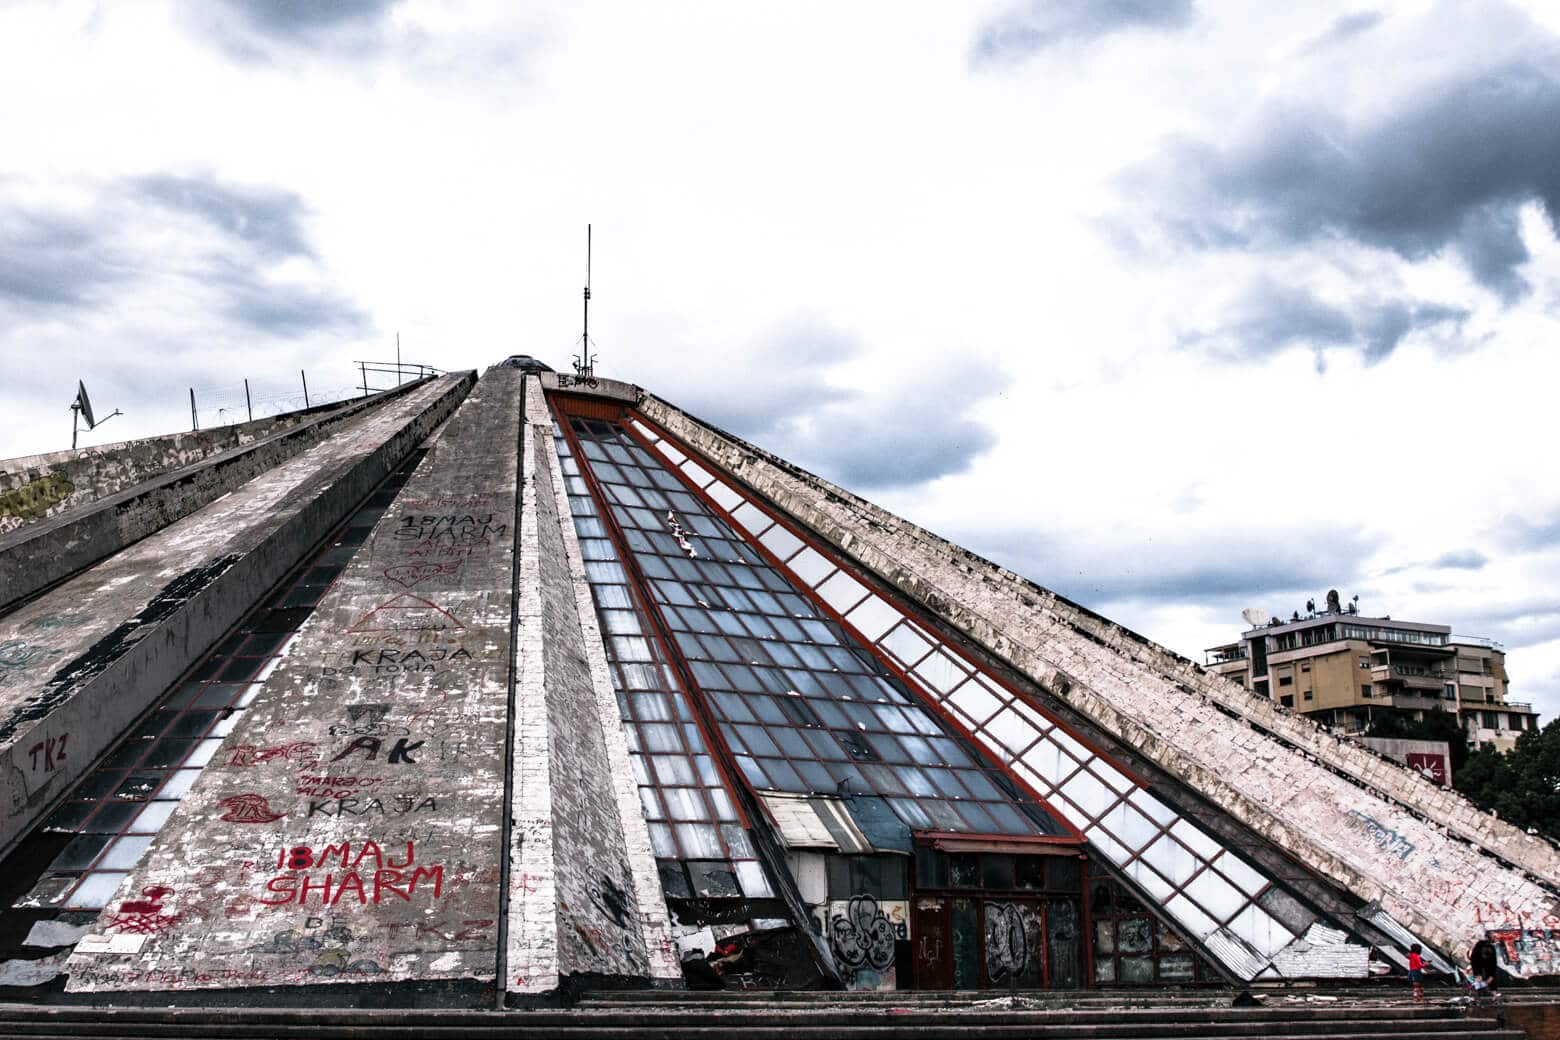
x=512, y=686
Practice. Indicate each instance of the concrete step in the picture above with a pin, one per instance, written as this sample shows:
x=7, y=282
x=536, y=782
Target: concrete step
x=821, y=1023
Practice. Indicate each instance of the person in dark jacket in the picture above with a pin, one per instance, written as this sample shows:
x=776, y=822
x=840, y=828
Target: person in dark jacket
x=1482, y=960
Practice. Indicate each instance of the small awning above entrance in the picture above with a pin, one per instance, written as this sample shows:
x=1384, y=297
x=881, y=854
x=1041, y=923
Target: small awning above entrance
x=1037, y=846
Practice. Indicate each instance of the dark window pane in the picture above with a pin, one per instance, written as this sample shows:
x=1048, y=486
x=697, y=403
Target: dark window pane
x=931, y=868
x=997, y=871
x=191, y=724
x=80, y=853
x=713, y=879
x=674, y=880
x=138, y=786
x=1029, y=872
x=112, y=818
x=1064, y=871
x=167, y=753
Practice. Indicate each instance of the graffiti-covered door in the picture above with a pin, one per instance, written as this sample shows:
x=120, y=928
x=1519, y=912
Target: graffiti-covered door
x=1014, y=944
x=932, y=944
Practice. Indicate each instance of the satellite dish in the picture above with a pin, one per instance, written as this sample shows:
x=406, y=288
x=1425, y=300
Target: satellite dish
x=81, y=408
x=1254, y=615
x=84, y=403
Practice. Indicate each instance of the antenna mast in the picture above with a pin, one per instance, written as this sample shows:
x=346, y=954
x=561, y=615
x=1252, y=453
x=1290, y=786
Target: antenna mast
x=584, y=364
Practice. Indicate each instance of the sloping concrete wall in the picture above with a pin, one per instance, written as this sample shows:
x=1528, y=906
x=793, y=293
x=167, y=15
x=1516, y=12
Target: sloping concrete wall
x=115, y=512
x=585, y=900
x=33, y=487
x=1428, y=855
x=78, y=664
x=370, y=852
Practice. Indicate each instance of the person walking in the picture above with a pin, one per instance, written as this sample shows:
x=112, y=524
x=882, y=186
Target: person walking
x=1416, y=973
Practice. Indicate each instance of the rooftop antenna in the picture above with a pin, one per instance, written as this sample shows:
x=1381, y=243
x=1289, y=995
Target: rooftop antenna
x=81, y=408
x=584, y=363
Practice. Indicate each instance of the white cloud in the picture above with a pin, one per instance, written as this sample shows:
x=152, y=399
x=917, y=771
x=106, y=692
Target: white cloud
x=824, y=210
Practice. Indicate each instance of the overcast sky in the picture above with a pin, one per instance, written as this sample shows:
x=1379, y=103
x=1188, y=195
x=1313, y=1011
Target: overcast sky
x=1176, y=307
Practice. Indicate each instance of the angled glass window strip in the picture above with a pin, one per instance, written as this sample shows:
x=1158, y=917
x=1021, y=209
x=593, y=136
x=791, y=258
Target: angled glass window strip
x=1119, y=818
x=690, y=814
x=121, y=804
x=774, y=668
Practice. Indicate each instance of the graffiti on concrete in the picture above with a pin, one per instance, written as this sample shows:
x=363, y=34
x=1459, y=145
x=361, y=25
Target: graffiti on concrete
x=363, y=873
x=48, y=753
x=248, y=808
x=1384, y=837
x=400, y=752
x=863, y=936
x=303, y=752
x=452, y=529
x=17, y=655
x=613, y=901
x=406, y=612
x=408, y=575
x=331, y=949
x=1527, y=952
x=400, y=805
x=143, y=916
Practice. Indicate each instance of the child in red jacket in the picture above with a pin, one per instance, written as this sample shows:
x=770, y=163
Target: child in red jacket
x=1416, y=973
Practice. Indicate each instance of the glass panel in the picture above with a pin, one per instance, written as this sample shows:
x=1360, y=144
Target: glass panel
x=125, y=852
x=1131, y=828
x=1265, y=935
x=780, y=541
x=1049, y=762
x=723, y=495
x=1195, y=839
x=1011, y=731
x=1245, y=878
x=842, y=591
x=1217, y=896
x=702, y=477
x=1135, y=934
x=943, y=673
x=1145, y=877
x=1136, y=969
x=1172, y=859
x=906, y=644
x=755, y=885
x=1187, y=913
x=1088, y=794
x=1157, y=811
x=750, y=517
x=873, y=617
x=96, y=890
x=810, y=566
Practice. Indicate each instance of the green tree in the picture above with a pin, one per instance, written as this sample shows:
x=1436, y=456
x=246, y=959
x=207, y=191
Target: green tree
x=1523, y=787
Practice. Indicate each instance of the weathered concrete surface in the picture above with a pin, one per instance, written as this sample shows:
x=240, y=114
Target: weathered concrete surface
x=1433, y=860
x=78, y=664
x=48, y=550
x=585, y=898
x=33, y=487
x=366, y=848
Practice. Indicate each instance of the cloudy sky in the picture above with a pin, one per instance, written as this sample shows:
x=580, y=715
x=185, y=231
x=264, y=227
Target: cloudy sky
x=1176, y=306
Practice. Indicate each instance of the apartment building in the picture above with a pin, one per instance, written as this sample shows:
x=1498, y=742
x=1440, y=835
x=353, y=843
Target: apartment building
x=1345, y=669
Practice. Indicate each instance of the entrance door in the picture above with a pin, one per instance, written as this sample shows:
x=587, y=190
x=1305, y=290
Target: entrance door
x=1015, y=944
x=932, y=944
